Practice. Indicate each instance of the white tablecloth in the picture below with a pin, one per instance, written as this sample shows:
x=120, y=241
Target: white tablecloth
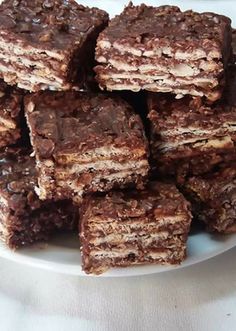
x=197, y=298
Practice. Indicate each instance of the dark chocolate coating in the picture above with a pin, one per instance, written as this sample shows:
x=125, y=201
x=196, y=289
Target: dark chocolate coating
x=79, y=122
x=49, y=24
x=167, y=22
x=157, y=199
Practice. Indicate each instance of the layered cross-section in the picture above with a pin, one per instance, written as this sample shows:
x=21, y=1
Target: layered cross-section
x=24, y=219
x=188, y=136
x=47, y=44
x=131, y=227
x=162, y=49
x=85, y=143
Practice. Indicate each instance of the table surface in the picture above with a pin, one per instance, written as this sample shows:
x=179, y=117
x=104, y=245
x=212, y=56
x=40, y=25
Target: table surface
x=197, y=298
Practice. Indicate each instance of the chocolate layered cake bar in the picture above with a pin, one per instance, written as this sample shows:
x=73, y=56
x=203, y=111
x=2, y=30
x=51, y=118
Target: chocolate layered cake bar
x=10, y=114
x=24, y=219
x=162, y=49
x=188, y=136
x=213, y=197
x=47, y=44
x=85, y=143
x=130, y=227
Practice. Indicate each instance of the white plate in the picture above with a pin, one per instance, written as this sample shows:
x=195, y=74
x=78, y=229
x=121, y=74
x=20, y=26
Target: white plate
x=62, y=254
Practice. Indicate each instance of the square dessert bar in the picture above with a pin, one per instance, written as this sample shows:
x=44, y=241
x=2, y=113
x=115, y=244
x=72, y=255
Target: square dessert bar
x=47, y=44
x=188, y=136
x=132, y=227
x=85, y=143
x=162, y=49
x=24, y=219
x=213, y=199
x=10, y=114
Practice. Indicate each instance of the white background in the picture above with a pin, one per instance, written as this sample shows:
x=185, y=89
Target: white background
x=198, y=298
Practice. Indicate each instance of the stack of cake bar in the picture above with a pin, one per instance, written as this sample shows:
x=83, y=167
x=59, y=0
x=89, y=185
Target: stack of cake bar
x=74, y=158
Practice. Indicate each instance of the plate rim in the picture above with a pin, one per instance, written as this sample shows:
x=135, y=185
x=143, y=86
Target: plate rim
x=26, y=257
